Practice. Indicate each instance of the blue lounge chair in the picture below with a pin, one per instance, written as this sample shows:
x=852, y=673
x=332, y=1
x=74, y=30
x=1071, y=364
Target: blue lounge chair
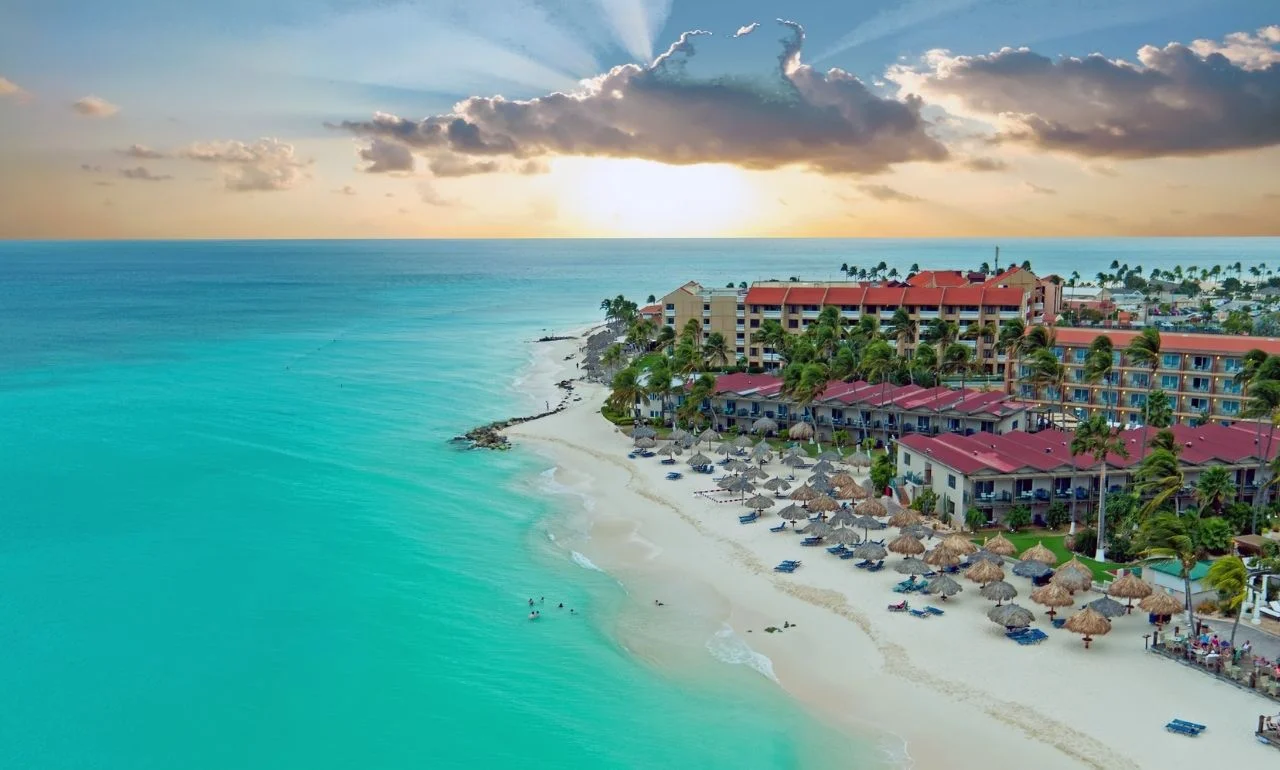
x=674, y=476
x=932, y=610
x=876, y=567
x=778, y=528
x=1059, y=622
x=668, y=461
x=796, y=562
x=1183, y=727
x=631, y=455
x=811, y=541
x=864, y=564
x=750, y=517
x=836, y=549
x=785, y=568
x=1026, y=636
x=920, y=613
x=847, y=555
x=646, y=453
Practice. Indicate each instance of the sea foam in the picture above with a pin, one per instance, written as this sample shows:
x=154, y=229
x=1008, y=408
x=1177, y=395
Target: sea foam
x=726, y=646
x=583, y=561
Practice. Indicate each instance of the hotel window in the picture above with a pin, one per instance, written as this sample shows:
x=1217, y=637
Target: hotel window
x=739, y=350
x=951, y=481
x=1200, y=384
x=906, y=458
x=1027, y=391
x=1080, y=395
x=1077, y=375
x=1171, y=360
x=1137, y=399
x=755, y=323
x=1230, y=407
x=1058, y=352
x=1230, y=387
x=1199, y=404
x=1078, y=355
x=793, y=324
x=741, y=337
x=1231, y=365
x=1115, y=358
x=671, y=307
x=1169, y=381
x=1139, y=380
x=1201, y=363
x=741, y=308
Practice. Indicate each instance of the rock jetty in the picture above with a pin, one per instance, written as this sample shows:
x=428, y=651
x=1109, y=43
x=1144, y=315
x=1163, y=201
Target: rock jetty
x=491, y=436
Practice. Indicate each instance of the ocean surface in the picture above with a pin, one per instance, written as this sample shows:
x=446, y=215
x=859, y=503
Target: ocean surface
x=233, y=533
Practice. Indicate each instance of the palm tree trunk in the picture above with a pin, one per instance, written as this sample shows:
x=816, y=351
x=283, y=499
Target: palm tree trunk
x=1101, y=553
x=1235, y=624
x=1191, y=611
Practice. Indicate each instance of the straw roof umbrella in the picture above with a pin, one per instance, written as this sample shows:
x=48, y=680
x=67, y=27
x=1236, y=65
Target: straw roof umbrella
x=856, y=492
x=679, y=433
x=905, y=518
x=760, y=502
x=777, y=485
x=737, y=466
x=922, y=531
x=870, y=552
x=724, y=481
x=793, y=461
x=1010, y=616
x=755, y=473
x=824, y=504
x=823, y=466
x=739, y=484
x=999, y=591
x=699, y=459
x=818, y=528
x=859, y=459
x=1090, y=623
x=984, y=572
x=1031, y=569
x=764, y=425
x=1000, y=545
x=801, y=430
x=688, y=442
x=1051, y=596
x=845, y=536
x=981, y=555
x=1039, y=553
x=1074, y=576
x=943, y=586
x=743, y=442
x=670, y=450
x=708, y=436
x=843, y=492
x=1107, y=607
x=793, y=450
x=960, y=544
x=804, y=493
x=793, y=513
x=1130, y=587
x=762, y=452
x=868, y=523
x=869, y=508
x=842, y=518
x=942, y=557
x=906, y=545
x=644, y=431
x=726, y=449
x=831, y=456
x=912, y=566
x=1161, y=603
x=646, y=443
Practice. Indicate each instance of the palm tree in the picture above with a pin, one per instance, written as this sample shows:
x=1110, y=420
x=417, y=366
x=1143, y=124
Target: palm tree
x=925, y=360
x=1159, y=475
x=627, y=390
x=1166, y=536
x=1230, y=578
x=690, y=412
x=1144, y=350
x=807, y=386
x=1157, y=412
x=612, y=356
x=984, y=333
x=1094, y=437
x=641, y=333
x=878, y=362
x=958, y=359
x=1214, y=489
x=942, y=333
x=1099, y=364
x=902, y=327
x=666, y=337
x=716, y=349
x=1044, y=370
x=658, y=385
x=1263, y=404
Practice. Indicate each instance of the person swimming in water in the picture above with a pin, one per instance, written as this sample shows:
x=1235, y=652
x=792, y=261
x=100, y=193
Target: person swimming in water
x=561, y=606
x=530, y=602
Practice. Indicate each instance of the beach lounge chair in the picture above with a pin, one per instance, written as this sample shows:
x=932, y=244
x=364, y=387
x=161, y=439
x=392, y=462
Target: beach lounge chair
x=811, y=541
x=876, y=567
x=631, y=455
x=932, y=610
x=750, y=517
x=920, y=613
x=836, y=549
x=668, y=461
x=864, y=564
x=847, y=555
x=899, y=607
x=1183, y=727
x=778, y=528
x=785, y=568
x=1059, y=622
x=674, y=476
x=1026, y=636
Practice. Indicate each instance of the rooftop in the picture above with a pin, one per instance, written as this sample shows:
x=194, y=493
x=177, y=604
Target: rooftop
x=841, y=394
x=1172, y=342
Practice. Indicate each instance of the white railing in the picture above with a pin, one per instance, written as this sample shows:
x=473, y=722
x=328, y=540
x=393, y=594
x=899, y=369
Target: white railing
x=774, y=314
x=929, y=314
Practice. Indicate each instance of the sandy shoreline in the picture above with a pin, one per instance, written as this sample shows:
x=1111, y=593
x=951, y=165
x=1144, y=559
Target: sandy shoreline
x=952, y=687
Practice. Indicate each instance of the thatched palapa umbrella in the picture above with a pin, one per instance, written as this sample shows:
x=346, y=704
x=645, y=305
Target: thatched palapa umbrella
x=817, y=529
x=801, y=431
x=777, y=485
x=1090, y=623
x=905, y=518
x=708, y=436
x=760, y=502
x=981, y=555
x=1000, y=545
x=942, y=557
x=762, y=452
x=842, y=518
x=793, y=513
x=912, y=566
x=737, y=466
x=845, y=492
x=998, y=592
x=943, y=586
x=793, y=461
x=1010, y=616
x=870, y=552
x=699, y=459
x=984, y=572
x=1130, y=587
x=906, y=545
x=869, y=508
x=804, y=493
x=764, y=425
x=1074, y=576
x=823, y=466
x=678, y=434
x=1039, y=553
x=960, y=544
x=1031, y=569
x=724, y=481
x=726, y=449
x=831, y=456
x=1052, y=596
x=824, y=504
x=670, y=450
x=1107, y=607
x=868, y=523
x=646, y=443
x=844, y=536
x=922, y=531
x=856, y=492
x=859, y=459
x=643, y=431
x=742, y=442
x=1161, y=603
x=755, y=473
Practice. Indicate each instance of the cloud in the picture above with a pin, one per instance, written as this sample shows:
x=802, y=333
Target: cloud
x=828, y=122
x=90, y=169
x=10, y=88
x=1175, y=101
x=267, y=164
x=94, y=107
x=1271, y=196
x=1251, y=51
x=885, y=193
x=432, y=197
x=455, y=165
x=141, y=151
x=346, y=189
x=984, y=164
x=1104, y=170
x=386, y=157
x=143, y=174
x=746, y=30
x=1038, y=190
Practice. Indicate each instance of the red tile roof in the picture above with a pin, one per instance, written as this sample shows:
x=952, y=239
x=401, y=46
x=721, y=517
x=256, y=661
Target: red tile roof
x=846, y=295
x=1173, y=342
x=747, y=383
x=885, y=295
x=996, y=280
x=766, y=295
x=651, y=310
x=806, y=295
x=923, y=296
x=938, y=278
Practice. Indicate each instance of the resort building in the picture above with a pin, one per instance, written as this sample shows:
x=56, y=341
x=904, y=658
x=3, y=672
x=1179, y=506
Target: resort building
x=966, y=298
x=1198, y=372
x=865, y=410
x=994, y=472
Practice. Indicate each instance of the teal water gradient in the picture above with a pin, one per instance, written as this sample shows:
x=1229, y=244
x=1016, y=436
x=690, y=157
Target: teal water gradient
x=232, y=533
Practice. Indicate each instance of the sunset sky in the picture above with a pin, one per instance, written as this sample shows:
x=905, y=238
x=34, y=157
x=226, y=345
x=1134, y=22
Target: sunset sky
x=515, y=118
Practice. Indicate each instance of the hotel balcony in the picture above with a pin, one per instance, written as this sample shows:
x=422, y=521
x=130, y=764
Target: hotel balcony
x=810, y=314
x=928, y=315
x=771, y=358
x=774, y=314
x=969, y=315
x=1010, y=315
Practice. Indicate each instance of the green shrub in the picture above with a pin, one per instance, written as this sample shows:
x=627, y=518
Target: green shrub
x=1207, y=607
x=1018, y=517
x=1086, y=541
x=974, y=519
x=1057, y=516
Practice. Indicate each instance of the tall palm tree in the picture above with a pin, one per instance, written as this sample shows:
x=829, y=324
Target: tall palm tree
x=878, y=362
x=1157, y=412
x=627, y=390
x=1099, y=364
x=1165, y=536
x=659, y=386
x=1095, y=438
x=612, y=357
x=1159, y=476
x=666, y=337
x=807, y=387
x=716, y=350
x=1144, y=350
x=957, y=359
x=982, y=333
x=1230, y=578
x=902, y=328
x=1044, y=370
x=925, y=361
x=1011, y=334
x=1214, y=489
x=1263, y=404
x=942, y=333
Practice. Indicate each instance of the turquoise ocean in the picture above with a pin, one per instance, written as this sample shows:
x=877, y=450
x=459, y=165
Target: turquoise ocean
x=233, y=533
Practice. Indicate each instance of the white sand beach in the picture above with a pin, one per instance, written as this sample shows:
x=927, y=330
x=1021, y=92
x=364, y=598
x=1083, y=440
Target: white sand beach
x=953, y=688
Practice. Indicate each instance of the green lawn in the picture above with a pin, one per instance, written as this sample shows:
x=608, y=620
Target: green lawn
x=1053, y=541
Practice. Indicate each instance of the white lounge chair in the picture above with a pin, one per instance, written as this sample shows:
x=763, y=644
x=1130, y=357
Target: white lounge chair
x=1271, y=609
